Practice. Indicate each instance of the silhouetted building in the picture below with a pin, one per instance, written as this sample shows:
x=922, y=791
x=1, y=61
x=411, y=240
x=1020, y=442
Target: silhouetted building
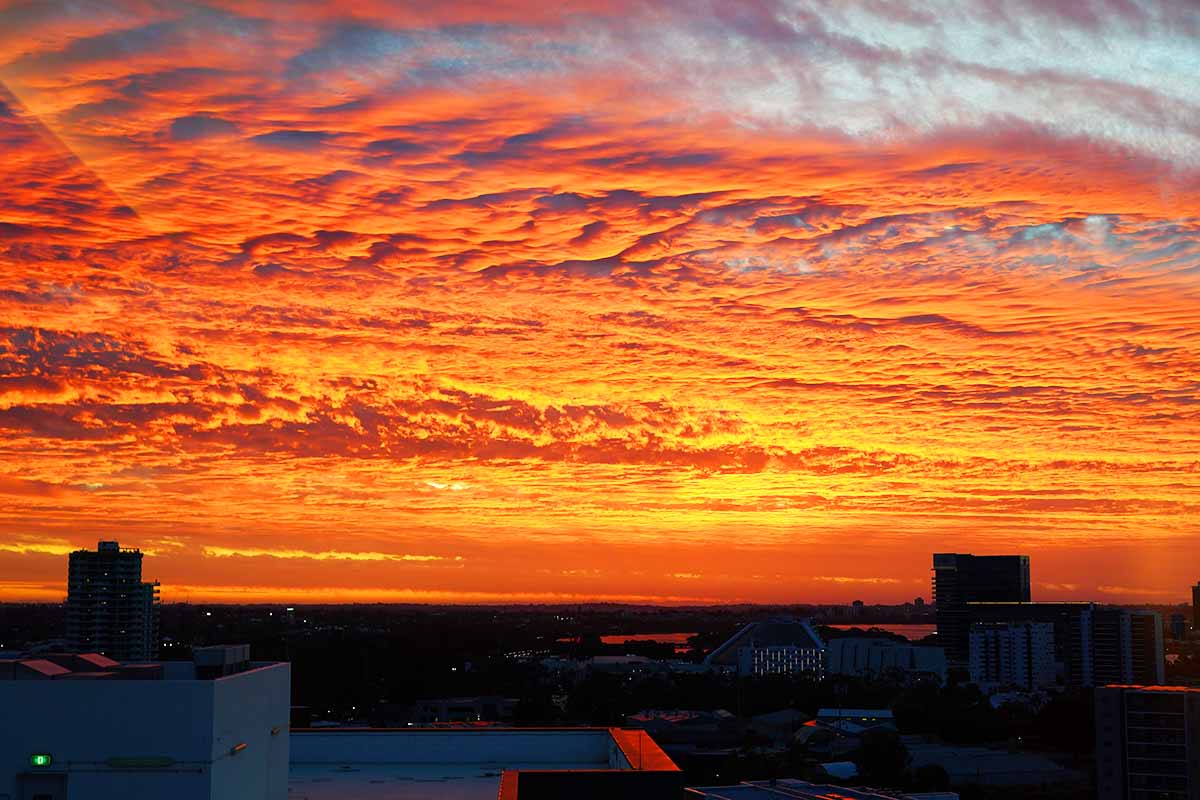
x=961, y=578
x=1093, y=645
x=883, y=657
x=1018, y=654
x=464, y=709
x=1128, y=647
x=109, y=609
x=1147, y=743
x=1196, y=607
x=86, y=726
x=1147, y=661
x=1178, y=626
x=781, y=645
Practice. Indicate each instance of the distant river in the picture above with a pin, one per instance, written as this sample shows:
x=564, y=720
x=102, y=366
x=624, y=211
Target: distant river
x=664, y=638
x=680, y=640
x=910, y=631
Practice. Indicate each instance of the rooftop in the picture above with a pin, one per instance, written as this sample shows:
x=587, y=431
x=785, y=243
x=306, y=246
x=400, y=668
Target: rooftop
x=1137, y=688
x=460, y=763
x=854, y=713
x=794, y=789
x=208, y=663
x=776, y=632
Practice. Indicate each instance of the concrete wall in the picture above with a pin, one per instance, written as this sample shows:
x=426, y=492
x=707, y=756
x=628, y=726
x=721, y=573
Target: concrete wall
x=83, y=724
x=416, y=746
x=247, y=708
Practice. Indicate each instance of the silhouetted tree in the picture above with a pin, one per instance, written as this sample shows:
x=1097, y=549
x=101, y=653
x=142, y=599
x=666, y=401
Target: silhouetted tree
x=930, y=778
x=882, y=758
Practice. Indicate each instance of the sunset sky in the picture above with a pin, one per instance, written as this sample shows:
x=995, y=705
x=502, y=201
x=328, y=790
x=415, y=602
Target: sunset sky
x=628, y=301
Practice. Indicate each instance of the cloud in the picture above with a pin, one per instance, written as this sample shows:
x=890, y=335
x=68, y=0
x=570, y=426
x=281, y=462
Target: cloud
x=323, y=555
x=199, y=126
x=1137, y=591
x=845, y=579
x=294, y=139
x=728, y=287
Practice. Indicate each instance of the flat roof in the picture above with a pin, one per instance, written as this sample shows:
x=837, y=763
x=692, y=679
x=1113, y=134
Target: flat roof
x=1154, y=689
x=850, y=713
x=785, y=788
x=406, y=781
x=454, y=763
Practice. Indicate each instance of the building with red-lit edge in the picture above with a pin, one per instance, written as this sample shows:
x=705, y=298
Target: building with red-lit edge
x=480, y=763
x=794, y=789
x=1147, y=743
x=216, y=728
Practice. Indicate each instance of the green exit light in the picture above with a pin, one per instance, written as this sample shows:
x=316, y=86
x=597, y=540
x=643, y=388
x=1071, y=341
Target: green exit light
x=40, y=760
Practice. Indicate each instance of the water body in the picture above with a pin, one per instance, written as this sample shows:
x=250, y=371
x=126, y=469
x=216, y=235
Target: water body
x=679, y=640
x=663, y=638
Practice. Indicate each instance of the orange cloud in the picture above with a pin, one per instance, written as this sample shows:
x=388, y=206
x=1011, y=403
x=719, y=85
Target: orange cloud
x=480, y=302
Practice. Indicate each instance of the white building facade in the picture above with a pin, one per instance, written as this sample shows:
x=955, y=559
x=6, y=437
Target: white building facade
x=1014, y=654
x=167, y=735
x=862, y=657
x=781, y=645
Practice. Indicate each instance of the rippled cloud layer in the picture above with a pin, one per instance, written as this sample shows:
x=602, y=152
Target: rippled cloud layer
x=638, y=301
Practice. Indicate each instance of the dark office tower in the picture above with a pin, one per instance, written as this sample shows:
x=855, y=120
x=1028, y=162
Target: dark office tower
x=960, y=578
x=1147, y=743
x=1147, y=664
x=1112, y=657
x=1196, y=607
x=109, y=609
x=1127, y=647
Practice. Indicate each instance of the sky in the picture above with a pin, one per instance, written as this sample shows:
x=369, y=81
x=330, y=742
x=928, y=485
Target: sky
x=676, y=302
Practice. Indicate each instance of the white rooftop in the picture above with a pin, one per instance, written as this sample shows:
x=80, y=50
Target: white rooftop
x=793, y=789
x=406, y=781
x=450, y=763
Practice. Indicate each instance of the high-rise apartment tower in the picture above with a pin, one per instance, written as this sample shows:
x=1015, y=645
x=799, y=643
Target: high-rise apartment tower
x=110, y=610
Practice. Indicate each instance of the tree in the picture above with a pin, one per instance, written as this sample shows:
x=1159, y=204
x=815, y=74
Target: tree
x=882, y=758
x=931, y=778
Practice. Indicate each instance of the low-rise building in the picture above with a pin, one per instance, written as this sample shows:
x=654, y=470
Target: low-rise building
x=778, y=646
x=835, y=733
x=681, y=733
x=85, y=726
x=464, y=709
x=864, y=718
x=876, y=658
x=779, y=727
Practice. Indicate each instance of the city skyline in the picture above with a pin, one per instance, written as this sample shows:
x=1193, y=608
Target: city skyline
x=618, y=302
